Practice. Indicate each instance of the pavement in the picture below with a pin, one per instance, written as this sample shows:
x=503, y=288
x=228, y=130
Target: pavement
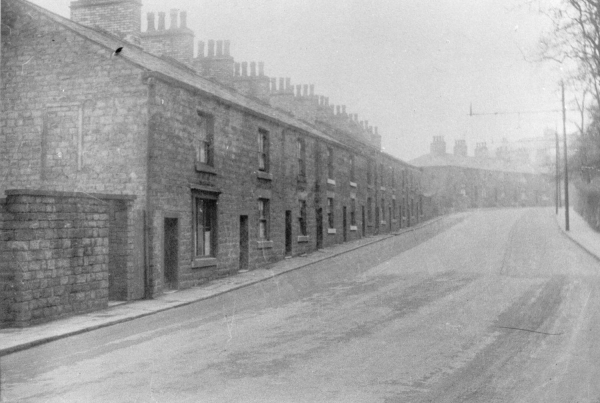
x=580, y=232
x=17, y=339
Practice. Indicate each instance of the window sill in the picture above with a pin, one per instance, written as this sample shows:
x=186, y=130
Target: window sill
x=331, y=231
x=353, y=228
x=264, y=175
x=201, y=262
x=205, y=168
x=382, y=223
x=353, y=184
x=382, y=188
x=303, y=238
x=331, y=182
x=265, y=244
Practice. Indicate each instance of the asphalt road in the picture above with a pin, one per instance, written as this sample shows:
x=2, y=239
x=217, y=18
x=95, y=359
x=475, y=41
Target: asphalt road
x=499, y=308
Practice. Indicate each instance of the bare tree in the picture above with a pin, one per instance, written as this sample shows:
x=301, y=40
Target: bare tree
x=574, y=42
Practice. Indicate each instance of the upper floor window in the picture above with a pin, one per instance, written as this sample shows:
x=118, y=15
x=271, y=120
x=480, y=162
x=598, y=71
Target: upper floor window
x=301, y=150
x=203, y=141
x=369, y=174
x=381, y=175
x=393, y=178
x=330, y=163
x=263, y=219
x=352, y=173
x=353, y=212
x=263, y=150
x=369, y=209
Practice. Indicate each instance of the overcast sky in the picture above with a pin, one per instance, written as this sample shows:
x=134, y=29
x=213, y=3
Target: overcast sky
x=410, y=67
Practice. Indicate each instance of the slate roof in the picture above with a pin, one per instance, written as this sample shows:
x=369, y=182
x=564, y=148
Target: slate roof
x=489, y=164
x=183, y=74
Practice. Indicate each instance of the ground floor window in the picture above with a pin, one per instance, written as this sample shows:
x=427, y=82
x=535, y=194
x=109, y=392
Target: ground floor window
x=205, y=213
x=302, y=218
x=330, y=212
x=263, y=219
x=353, y=212
x=369, y=210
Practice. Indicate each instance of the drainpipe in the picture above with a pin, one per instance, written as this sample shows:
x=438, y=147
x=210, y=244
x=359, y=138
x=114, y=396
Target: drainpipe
x=148, y=275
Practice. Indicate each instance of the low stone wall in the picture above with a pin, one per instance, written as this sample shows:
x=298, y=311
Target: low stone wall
x=54, y=255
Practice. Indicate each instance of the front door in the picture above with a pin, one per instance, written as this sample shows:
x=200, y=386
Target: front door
x=344, y=224
x=170, y=255
x=319, y=216
x=364, y=222
x=288, y=232
x=244, y=245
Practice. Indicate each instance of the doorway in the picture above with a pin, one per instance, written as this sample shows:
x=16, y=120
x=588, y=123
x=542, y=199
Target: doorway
x=319, y=215
x=364, y=221
x=288, y=233
x=244, y=249
x=344, y=224
x=171, y=255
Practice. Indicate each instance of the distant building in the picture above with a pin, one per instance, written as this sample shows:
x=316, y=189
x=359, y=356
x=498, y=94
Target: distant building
x=131, y=166
x=458, y=181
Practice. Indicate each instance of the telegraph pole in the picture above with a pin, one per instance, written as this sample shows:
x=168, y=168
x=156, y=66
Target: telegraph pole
x=564, y=114
x=557, y=177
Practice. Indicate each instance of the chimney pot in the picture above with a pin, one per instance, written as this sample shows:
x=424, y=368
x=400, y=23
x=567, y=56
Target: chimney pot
x=343, y=109
x=253, y=69
x=227, y=45
x=288, y=85
x=219, y=48
x=161, y=20
x=151, y=26
x=312, y=90
x=174, y=18
x=245, y=69
x=305, y=90
x=183, y=19
x=211, y=48
x=261, y=69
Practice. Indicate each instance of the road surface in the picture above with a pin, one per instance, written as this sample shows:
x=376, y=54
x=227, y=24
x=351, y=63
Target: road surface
x=500, y=308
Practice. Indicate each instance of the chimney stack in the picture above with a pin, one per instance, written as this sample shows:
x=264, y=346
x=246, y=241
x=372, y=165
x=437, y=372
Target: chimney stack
x=174, y=13
x=460, y=148
x=438, y=146
x=103, y=14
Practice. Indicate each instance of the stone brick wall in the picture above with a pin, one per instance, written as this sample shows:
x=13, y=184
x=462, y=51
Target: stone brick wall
x=74, y=118
x=78, y=119
x=235, y=178
x=54, y=255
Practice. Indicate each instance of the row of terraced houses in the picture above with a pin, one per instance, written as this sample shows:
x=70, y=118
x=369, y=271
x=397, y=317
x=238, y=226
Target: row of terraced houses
x=136, y=162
